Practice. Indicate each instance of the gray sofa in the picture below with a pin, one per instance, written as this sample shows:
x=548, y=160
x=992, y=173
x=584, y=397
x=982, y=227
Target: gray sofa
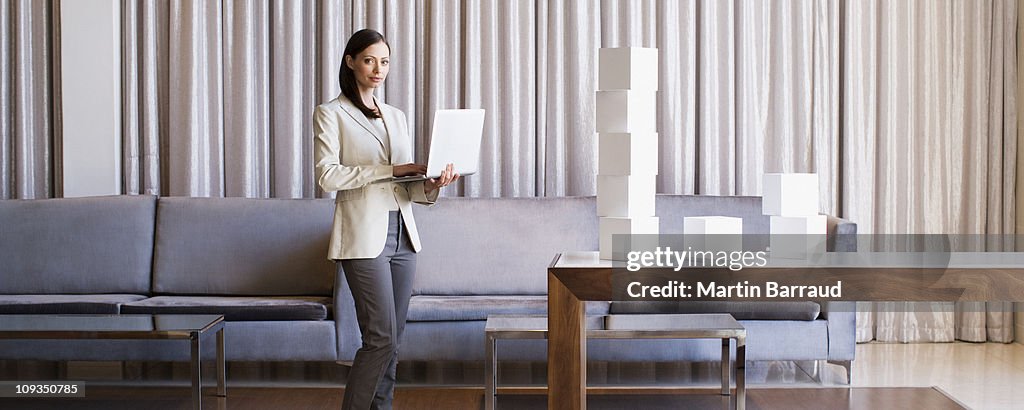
x=262, y=263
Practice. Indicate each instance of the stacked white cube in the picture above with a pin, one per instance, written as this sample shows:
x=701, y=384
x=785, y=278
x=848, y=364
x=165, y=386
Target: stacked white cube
x=635, y=233
x=628, y=68
x=790, y=194
x=797, y=230
x=713, y=233
x=627, y=153
x=626, y=111
x=627, y=144
x=625, y=195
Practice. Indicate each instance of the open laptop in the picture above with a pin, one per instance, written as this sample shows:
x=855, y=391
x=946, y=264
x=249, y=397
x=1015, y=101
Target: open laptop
x=454, y=139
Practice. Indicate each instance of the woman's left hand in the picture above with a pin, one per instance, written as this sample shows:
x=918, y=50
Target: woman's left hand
x=448, y=176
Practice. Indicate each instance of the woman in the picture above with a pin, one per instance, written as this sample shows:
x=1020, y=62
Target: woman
x=358, y=142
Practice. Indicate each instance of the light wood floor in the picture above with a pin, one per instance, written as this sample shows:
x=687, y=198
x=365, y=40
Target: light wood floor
x=161, y=398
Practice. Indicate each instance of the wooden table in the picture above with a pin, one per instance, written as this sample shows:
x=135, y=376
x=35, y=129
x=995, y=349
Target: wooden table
x=575, y=277
x=568, y=288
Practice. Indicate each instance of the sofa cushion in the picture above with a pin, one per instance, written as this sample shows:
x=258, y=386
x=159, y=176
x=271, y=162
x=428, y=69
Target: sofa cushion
x=424, y=308
x=738, y=310
x=236, y=308
x=76, y=245
x=241, y=246
x=64, y=304
x=506, y=243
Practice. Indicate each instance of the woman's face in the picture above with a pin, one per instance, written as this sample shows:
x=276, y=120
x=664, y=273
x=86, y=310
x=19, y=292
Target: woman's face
x=370, y=67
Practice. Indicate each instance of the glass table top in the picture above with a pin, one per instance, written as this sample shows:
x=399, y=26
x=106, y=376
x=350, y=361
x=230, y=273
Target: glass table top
x=144, y=324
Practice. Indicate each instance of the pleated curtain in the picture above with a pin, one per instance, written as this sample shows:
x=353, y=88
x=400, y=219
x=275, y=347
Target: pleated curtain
x=27, y=100
x=929, y=143
x=221, y=92
x=905, y=109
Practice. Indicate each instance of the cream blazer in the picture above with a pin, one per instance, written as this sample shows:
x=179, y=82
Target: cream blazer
x=353, y=160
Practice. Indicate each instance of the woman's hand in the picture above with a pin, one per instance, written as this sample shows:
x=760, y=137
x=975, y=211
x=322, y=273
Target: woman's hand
x=406, y=170
x=447, y=177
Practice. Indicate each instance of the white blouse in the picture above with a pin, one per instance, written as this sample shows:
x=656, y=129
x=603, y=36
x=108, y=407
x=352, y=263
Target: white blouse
x=382, y=132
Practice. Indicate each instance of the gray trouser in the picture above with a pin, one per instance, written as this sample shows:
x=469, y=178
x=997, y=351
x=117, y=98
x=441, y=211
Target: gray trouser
x=381, y=288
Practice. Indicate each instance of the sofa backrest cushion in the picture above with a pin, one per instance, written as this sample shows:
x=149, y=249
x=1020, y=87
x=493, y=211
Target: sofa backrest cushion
x=240, y=246
x=493, y=246
x=76, y=245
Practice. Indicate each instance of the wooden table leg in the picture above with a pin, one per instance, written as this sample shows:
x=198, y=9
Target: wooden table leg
x=567, y=348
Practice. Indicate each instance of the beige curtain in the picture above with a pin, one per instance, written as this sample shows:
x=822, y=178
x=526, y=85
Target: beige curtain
x=746, y=88
x=929, y=142
x=218, y=96
x=26, y=99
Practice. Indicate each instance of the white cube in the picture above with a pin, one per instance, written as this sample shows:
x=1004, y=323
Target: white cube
x=713, y=233
x=627, y=153
x=797, y=237
x=627, y=111
x=629, y=68
x=712, y=225
x=790, y=194
x=609, y=227
x=625, y=195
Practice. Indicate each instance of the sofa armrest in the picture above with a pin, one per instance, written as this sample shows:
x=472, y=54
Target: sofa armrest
x=842, y=234
x=842, y=329
x=348, y=336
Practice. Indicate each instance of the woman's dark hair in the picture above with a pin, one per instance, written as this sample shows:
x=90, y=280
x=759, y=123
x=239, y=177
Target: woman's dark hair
x=359, y=41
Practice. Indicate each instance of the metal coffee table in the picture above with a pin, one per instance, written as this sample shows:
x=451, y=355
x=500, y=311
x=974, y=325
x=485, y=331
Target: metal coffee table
x=194, y=328
x=643, y=326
